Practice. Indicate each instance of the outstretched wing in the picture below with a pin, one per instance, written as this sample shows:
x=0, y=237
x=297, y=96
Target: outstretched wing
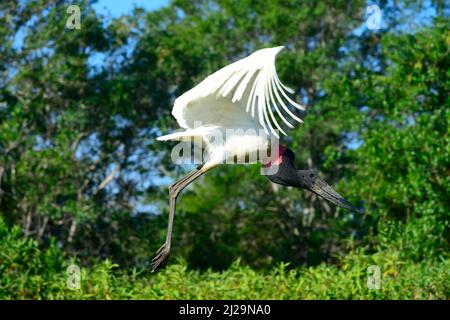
x=227, y=97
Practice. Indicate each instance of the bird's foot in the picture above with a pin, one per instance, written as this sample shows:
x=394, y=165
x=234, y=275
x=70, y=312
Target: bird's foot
x=161, y=256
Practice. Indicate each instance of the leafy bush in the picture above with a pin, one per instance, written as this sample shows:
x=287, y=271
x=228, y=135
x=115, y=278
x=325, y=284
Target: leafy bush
x=30, y=273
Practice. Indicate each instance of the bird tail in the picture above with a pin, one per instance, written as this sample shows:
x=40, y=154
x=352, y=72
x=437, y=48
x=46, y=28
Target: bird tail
x=187, y=134
x=177, y=136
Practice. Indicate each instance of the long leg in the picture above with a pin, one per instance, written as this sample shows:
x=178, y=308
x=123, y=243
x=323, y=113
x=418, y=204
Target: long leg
x=174, y=191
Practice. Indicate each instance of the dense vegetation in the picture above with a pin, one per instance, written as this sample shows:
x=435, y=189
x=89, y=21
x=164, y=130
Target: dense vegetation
x=30, y=273
x=83, y=180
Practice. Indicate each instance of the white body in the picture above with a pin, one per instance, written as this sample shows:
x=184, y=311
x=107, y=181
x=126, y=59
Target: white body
x=231, y=110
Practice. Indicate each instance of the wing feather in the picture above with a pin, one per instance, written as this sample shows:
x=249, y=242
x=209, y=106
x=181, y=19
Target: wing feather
x=275, y=105
x=252, y=83
x=283, y=105
x=269, y=109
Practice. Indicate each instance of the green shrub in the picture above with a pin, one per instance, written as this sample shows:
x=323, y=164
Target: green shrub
x=27, y=272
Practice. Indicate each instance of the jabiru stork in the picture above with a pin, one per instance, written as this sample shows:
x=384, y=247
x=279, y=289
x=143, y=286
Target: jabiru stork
x=226, y=102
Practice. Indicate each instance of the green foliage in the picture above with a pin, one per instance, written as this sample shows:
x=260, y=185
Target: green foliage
x=30, y=273
x=405, y=149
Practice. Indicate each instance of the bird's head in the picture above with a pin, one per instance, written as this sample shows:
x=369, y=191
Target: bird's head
x=286, y=174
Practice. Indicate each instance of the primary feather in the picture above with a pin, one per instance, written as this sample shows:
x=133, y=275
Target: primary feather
x=229, y=97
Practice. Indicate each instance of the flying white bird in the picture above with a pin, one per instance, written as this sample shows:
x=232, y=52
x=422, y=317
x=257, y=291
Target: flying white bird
x=232, y=113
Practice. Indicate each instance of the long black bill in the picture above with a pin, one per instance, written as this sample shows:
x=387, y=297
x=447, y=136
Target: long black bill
x=321, y=188
x=287, y=175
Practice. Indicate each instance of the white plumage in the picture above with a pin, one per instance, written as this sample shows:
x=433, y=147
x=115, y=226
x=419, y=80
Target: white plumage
x=243, y=95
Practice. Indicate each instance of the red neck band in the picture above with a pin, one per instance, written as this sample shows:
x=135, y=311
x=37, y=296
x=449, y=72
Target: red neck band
x=278, y=160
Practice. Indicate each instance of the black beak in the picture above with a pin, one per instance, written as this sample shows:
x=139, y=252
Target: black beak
x=322, y=189
x=287, y=175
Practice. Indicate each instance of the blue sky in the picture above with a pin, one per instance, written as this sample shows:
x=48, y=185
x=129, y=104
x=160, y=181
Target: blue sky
x=112, y=8
x=118, y=7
